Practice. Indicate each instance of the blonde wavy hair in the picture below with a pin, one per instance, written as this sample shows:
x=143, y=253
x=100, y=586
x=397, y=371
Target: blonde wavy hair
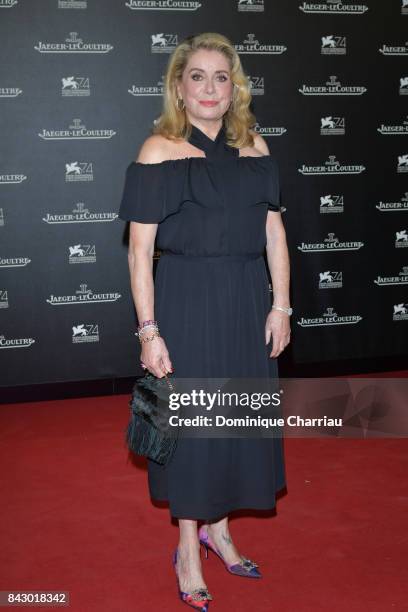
x=173, y=123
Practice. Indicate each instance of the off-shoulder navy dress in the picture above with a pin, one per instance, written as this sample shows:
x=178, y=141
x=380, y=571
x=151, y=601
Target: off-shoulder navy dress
x=211, y=300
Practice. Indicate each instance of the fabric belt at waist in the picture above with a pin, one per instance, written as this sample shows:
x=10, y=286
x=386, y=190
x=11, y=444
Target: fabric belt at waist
x=212, y=258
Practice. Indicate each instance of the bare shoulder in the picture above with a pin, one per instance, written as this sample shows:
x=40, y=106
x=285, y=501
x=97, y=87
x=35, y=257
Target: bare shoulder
x=258, y=149
x=260, y=143
x=154, y=149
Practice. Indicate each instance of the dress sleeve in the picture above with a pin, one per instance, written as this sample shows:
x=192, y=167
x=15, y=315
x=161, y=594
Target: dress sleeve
x=147, y=194
x=273, y=188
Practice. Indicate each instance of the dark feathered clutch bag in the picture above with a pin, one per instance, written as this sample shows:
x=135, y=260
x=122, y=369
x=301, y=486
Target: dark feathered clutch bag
x=149, y=433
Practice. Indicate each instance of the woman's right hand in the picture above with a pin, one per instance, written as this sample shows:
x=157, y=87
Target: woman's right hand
x=155, y=357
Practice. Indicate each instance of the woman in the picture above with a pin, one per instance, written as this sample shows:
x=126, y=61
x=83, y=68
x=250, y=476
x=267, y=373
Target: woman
x=205, y=185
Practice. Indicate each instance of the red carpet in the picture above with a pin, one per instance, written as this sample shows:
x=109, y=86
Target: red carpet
x=76, y=516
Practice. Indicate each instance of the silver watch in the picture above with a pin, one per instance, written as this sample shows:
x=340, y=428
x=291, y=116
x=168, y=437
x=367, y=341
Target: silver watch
x=288, y=311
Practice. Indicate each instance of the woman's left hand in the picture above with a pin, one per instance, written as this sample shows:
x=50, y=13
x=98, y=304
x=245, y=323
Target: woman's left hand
x=278, y=326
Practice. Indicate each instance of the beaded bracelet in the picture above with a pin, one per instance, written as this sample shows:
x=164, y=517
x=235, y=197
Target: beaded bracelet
x=145, y=323
x=152, y=337
x=147, y=327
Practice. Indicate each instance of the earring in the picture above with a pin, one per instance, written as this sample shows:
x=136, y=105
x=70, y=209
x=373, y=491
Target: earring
x=178, y=105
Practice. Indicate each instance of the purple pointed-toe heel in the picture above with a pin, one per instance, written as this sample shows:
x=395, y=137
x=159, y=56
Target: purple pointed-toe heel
x=199, y=599
x=246, y=567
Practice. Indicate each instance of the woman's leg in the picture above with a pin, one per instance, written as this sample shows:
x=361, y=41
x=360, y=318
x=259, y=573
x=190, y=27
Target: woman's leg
x=188, y=558
x=220, y=535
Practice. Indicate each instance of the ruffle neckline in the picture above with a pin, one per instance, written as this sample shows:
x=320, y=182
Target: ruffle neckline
x=216, y=150
x=263, y=160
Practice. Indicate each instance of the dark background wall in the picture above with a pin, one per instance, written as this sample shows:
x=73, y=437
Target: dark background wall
x=80, y=85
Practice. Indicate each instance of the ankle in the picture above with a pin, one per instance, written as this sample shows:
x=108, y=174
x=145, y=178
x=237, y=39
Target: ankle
x=188, y=548
x=217, y=531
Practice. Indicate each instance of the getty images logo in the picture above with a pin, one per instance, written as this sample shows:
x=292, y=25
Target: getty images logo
x=77, y=131
x=334, y=7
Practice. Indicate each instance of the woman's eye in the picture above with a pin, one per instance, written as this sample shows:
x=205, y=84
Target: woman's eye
x=222, y=77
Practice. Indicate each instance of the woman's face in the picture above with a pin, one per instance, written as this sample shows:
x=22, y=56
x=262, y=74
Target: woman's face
x=206, y=87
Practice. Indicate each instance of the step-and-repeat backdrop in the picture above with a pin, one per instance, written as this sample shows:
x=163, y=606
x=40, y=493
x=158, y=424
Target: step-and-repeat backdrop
x=80, y=85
